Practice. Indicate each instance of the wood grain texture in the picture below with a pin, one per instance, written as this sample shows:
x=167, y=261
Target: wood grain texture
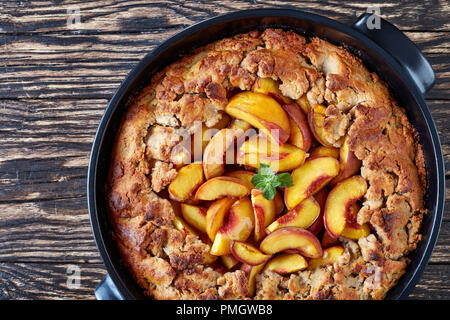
x=47, y=231
x=434, y=284
x=59, y=231
x=46, y=143
x=150, y=16
x=50, y=281
x=55, y=83
x=52, y=65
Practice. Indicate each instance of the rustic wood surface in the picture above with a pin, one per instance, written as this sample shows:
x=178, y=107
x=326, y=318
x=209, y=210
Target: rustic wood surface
x=55, y=83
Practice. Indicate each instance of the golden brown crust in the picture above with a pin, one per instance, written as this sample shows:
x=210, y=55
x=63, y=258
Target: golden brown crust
x=233, y=285
x=163, y=173
x=167, y=264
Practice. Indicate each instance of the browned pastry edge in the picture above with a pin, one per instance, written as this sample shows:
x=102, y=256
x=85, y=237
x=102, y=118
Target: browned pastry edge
x=168, y=265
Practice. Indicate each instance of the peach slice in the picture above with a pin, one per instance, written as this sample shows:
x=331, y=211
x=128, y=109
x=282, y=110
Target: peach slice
x=213, y=156
x=270, y=87
x=357, y=232
x=296, y=137
x=309, y=179
x=208, y=132
x=238, y=124
x=349, y=163
x=182, y=226
x=200, y=139
x=330, y=256
x=180, y=156
x=279, y=204
x=292, y=239
x=321, y=198
x=220, y=187
x=280, y=158
x=252, y=272
x=264, y=211
x=188, y=179
x=286, y=263
x=304, y=104
x=210, y=258
x=229, y=261
x=302, y=216
x=300, y=133
x=244, y=176
x=238, y=225
x=316, y=118
x=216, y=214
x=221, y=244
x=339, y=202
x=328, y=241
x=262, y=112
x=352, y=229
x=194, y=215
x=324, y=151
x=248, y=253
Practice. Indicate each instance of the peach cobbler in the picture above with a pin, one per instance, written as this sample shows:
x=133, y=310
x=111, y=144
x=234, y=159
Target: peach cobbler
x=266, y=166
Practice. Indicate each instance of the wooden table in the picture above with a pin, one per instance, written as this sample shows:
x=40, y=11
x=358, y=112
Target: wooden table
x=55, y=83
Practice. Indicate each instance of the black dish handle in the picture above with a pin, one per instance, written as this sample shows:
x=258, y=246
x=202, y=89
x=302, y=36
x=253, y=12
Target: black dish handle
x=107, y=290
x=400, y=48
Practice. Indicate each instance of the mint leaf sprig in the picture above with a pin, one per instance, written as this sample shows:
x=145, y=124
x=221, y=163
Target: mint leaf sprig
x=267, y=181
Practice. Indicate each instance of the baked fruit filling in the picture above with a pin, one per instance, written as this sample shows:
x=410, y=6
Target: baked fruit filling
x=266, y=166
x=226, y=203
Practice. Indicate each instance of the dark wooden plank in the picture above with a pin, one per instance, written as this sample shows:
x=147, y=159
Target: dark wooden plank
x=47, y=231
x=148, y=16
x=48, y=281
x=59, y=231
x=93, y=66
x=43, y=167
x=440, y=252
x=440, y=109
x=434, y=284
x=132, y=46
x=441, y=88
x=45, y=141
x=430, y=42
x=45, y=145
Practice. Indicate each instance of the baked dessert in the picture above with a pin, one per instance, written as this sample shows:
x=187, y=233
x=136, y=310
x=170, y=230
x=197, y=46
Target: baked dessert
x=266, y=166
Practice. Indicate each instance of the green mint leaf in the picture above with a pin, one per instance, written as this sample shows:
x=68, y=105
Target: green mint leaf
x=265, y=169
x=271, y=179
x=267, y=181
x=269, y=192
x=275, y=183
x=260, y=186
x=285, y=180
x=258, y=179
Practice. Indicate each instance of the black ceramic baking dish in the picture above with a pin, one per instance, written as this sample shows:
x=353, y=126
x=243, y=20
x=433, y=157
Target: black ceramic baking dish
x=386, y=51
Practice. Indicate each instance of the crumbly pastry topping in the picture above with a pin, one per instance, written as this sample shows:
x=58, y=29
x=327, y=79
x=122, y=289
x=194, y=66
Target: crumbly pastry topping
x=171, y=264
